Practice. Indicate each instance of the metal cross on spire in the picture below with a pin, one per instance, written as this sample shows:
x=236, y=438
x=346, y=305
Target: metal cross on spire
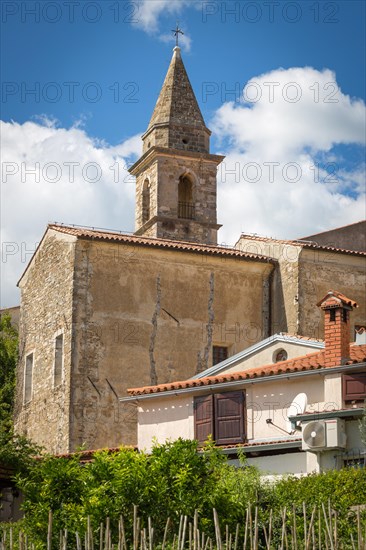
x=177, y=32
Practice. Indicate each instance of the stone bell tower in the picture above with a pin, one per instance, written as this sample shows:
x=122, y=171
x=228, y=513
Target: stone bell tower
x=176, y=175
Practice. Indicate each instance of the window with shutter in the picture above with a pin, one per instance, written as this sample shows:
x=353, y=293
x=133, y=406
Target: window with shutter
x=203, y=415
x=354, y=386
x=229, y=418
x=222, y=416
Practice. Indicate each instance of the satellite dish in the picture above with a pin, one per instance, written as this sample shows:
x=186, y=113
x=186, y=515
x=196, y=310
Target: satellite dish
x=297, y=406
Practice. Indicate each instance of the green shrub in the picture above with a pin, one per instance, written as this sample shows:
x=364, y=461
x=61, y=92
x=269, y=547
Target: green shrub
x=177, y=479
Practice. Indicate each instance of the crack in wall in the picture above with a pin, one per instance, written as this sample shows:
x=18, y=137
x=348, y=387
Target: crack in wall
x=202, y=361
x=154, y=322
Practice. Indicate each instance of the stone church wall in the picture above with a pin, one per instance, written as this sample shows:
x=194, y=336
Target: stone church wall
x=46, y=311
x=321, y=271
x=302, y=277
x=151, y=316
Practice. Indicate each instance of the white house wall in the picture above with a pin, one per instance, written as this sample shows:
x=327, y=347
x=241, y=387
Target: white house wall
x=172, y=417
x=278, y=465
x=333, y=391
x=266, y=356
x=164, y=419
x=354, y=446
x=272, y=400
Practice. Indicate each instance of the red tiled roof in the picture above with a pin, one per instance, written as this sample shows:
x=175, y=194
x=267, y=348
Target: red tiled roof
x=303, y=244
x=87, y=454
x=258, y=443
x=104, y=235
x=311, y=361
x=333, y=297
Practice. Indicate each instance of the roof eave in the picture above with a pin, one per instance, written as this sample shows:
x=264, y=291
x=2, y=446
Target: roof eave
x=321, y=371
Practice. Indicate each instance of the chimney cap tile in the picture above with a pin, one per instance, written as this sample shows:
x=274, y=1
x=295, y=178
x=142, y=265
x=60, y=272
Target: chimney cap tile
x=334, y=299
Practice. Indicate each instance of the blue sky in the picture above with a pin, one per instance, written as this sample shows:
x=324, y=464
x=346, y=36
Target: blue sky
x=226, y=49
x=97, y=69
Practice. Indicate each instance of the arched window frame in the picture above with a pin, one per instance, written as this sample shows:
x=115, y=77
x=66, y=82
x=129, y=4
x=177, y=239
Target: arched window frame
x=186, y=202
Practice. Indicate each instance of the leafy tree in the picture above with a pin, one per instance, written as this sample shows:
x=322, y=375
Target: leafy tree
x=8, y=361
x=15, y=450
x=362, y=425
x=176, y=479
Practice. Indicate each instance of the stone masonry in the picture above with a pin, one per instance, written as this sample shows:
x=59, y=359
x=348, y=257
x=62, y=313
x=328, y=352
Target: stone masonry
x=176, y=145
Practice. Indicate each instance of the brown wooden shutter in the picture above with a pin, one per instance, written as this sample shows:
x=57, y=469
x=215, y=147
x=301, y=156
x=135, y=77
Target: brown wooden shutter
x=354, y=386
x=229, y=418
x=203, y=418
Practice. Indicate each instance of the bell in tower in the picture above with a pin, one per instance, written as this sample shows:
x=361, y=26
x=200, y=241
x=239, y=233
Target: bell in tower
x=176, y=176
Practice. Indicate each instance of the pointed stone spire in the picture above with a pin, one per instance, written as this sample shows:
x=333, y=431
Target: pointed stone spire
x=177, y=103
x=176, y=175
x=177, y=121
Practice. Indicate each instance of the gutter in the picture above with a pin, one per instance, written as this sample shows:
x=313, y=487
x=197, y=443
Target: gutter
x=246, y=382
x=323, y=415
x=260, y=448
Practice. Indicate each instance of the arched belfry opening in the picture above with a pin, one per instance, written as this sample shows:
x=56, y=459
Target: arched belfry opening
x=146, y=201
x=186, y=208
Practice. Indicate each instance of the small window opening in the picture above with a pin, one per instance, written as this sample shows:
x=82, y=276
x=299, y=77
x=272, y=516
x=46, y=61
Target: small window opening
x=146, y=201
x=219, y=353
x=185, y=199
x=332, y=315
x=280, y=355
x=360, y=334
x=59, y=344
x=28, y=378
x=344, y=315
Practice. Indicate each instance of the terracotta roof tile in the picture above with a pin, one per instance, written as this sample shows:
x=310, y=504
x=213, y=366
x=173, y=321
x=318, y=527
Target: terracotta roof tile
x=105, y=235
x=259, y=443
x=87, y=454
x=333, y=298
x=303, y=244
x=311, y=361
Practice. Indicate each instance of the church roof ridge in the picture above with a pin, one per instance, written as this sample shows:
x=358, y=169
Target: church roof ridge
x=128, y=238
x=298, y=242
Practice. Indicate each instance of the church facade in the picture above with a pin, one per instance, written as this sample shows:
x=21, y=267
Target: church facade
x=102, y=311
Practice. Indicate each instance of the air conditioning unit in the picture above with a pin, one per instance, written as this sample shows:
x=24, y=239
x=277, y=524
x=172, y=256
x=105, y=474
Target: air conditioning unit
x=320, y=435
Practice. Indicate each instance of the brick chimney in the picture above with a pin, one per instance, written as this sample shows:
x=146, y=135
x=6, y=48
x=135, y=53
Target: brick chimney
x=337, y=308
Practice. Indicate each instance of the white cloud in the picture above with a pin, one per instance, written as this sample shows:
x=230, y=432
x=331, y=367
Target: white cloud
x=28, y=205
x=254, y=136
x=281, y=176
x=149, y=12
